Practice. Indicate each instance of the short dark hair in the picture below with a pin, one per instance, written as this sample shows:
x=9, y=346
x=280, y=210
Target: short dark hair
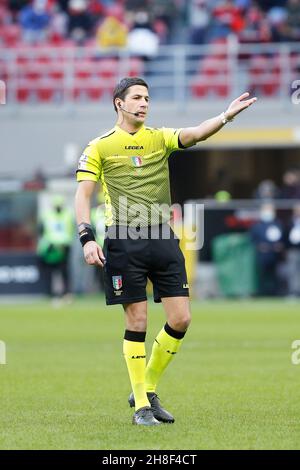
x=120, y=90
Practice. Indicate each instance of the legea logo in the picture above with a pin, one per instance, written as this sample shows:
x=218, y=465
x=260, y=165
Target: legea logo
x=2, y=353
x=2, y=92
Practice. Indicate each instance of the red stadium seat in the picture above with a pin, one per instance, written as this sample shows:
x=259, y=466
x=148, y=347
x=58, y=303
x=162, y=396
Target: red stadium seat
x=10, y=34
x=87, y=88
x=83, y=69
x=107, y=68
x=212, y=78
x=24, y=91
x=107, y=71
x=264, y=73
x=136, y=67
x=56, y=70
x=4, y=70
x=30, y=70
x=48, y=89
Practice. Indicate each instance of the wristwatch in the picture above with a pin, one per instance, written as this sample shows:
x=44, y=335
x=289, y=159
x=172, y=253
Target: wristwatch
x=225, y=119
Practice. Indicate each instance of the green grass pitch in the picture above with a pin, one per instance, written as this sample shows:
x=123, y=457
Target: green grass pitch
x=232, y=386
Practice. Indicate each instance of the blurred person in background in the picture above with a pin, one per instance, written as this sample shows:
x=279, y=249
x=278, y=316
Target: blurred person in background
x=80, y=21
x=256, y=28
x=292, y=239
x=266, y=190
x=291, y=184
x=56, y=232
x=6, y=15
x=227, y=19
x=143, y=42
x=165, y=12
x=199, y=18
x=293, y=19
x=34, y=19
x=277, y=18
x=15, y=6
x=113, y=31
x=58, y=27
x=267, y=236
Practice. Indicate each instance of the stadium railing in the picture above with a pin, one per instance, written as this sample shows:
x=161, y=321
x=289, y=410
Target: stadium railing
x=183, y=73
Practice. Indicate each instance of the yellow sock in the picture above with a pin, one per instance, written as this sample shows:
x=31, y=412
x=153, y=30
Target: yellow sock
x=165, y=346
x=135, y=357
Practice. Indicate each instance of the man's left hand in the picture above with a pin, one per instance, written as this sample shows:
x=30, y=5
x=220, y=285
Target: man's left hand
x=239, y=105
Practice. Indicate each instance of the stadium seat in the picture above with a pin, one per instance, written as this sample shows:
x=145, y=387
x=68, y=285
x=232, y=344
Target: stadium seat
x=107, y=71
x=56, y=70
x=10, y=34
x=4, y=70
x=264, y=75
x=83, y=69
x=87, y=88
x=212, y=78
x=108, y=68
x=132, y=67
x=23, y=91
x=45, y=90
x=30, y=70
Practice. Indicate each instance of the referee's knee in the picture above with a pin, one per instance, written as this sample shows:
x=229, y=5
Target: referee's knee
x=136, y=316
x=182, y=322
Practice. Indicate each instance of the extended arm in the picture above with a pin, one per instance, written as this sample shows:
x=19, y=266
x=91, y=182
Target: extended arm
x=191, y=135
x=92, y=251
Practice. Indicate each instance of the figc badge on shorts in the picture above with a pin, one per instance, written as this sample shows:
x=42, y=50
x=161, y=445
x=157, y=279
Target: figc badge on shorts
x=117, y=282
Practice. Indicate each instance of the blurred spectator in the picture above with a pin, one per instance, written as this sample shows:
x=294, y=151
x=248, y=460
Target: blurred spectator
x=58, y=27
x=227, y=19
x=142, y=41
x=34, y=20
x=266, y=190
x=97, y=11
x=277, y=18
x=293, y=253
x=169, y=21
x=56, y=231
x=256, y=28
x=112, y=32
x=135, y=5
x=293, y=19
x=64, y=5
x=160, y=28
x=243, y=4
x=80, y=22
x=199, y=21
x=16, y=5
x=166, y=12
x=268, y=4
x=267, y=236
x=5, y=15
x=291, y=184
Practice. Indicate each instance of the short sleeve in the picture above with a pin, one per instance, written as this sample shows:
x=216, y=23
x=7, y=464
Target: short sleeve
x=89, y=165
x=171, y=138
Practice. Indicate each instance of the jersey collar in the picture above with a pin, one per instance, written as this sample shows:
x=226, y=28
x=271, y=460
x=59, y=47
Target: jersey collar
x=136, y=134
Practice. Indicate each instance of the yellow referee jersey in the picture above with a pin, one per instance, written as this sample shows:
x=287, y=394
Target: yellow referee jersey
x=133, y=170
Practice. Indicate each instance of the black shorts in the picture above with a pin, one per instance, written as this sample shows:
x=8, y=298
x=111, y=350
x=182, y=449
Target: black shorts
x=129, y=262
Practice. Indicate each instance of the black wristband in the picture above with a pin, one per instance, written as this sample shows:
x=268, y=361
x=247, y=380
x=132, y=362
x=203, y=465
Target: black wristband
x=86, y=234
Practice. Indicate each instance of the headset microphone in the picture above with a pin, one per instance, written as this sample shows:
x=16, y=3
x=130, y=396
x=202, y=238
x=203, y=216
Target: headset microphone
x=129, y=112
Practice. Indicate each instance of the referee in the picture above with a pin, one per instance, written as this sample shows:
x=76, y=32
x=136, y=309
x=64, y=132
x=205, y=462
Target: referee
x=131, y=161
